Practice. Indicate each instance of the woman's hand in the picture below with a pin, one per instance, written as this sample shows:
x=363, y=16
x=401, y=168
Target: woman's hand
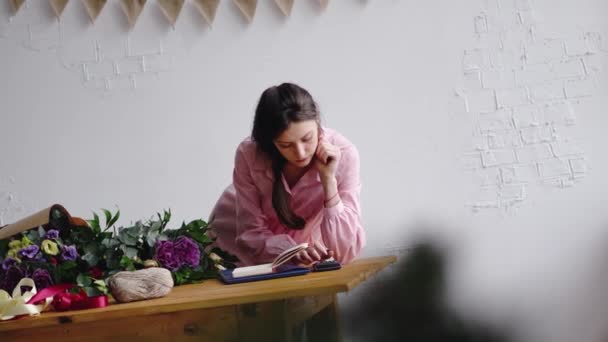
x=327, y=159
x=313, y=254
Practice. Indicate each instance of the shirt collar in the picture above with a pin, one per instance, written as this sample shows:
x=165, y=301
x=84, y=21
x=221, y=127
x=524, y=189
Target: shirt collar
x=263, y=164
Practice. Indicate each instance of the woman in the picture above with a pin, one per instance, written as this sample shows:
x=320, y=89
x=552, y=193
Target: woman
x=293, y=182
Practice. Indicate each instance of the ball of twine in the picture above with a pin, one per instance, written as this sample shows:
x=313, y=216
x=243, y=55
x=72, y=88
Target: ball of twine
x=129, y=286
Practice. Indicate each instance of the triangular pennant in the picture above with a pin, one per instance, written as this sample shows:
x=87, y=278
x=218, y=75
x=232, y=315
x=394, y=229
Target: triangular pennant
x=16, y=5
x=323, y=3
x=171, y=9
x=132, y=9
x=208, y=8
x=285, y=6
x=247, y=7
x=94, y=7
x=58, y=6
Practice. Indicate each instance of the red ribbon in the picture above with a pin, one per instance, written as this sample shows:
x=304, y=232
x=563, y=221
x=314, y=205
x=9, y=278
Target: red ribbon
x=63, y=301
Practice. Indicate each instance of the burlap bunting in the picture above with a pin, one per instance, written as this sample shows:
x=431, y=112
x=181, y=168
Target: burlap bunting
x=16, y=5
x=170, y=8
x=132, y=9
x=207, y=8
x=58, y=6
x=94, y=8
x=247, y=7
x=285, y=6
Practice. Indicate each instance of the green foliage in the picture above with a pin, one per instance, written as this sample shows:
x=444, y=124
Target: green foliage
x=104, y=249
x=66, y=272
x=130, y=246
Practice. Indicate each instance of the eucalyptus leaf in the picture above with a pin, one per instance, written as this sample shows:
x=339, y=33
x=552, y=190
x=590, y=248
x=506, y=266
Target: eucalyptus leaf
x=33, y=235
x=91, y=247
x=131, y=252
x=83, y=280
x=110, y=242
x=126, y=238
x=91, y=291
x=91, y=259
x=134, y=231
x=155, y=226
x=128, y=251
x=151, y=238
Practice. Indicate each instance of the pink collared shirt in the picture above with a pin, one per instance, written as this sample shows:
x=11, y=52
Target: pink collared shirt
x=246, y=224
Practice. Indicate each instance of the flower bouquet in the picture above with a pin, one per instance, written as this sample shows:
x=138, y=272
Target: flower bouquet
x=67, y=250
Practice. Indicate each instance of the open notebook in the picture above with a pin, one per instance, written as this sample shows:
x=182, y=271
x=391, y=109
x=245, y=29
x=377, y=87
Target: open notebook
x=272, y=267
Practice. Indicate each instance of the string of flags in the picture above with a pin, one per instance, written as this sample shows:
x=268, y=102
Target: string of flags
x=170, y=8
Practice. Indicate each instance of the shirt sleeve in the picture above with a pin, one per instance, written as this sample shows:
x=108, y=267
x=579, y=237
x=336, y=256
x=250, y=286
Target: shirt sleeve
x=252, y=233
x=341, y=228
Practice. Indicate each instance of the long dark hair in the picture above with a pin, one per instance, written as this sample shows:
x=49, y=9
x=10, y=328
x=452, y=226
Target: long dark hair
x=277, y=108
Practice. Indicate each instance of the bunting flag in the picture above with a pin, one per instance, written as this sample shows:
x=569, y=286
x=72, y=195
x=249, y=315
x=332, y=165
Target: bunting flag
x=247, y=7
x=132, y=9
x=16, y=5
x=208, y=8
x=171, y=9
x=94, y=7
x=285, y=6
x=58, y=6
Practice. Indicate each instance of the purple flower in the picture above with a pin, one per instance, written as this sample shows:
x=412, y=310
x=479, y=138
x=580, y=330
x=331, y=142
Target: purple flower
x=29, y=252
x=69, y=253
x=165, y=255
x=12, y=276
x=42, y=278
x=187, y=251
x=52, y=234
x=8, y=262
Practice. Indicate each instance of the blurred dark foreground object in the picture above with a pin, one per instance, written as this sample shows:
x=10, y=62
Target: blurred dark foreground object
x=409, y=306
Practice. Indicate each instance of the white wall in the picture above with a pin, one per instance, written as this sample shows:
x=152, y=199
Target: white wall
x=393, y=76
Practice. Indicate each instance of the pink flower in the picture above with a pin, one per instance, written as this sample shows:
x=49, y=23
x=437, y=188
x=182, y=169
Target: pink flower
x=187, y=251
x=42, y=278
x=166, y=256
x=96, y=272
x=175, y=254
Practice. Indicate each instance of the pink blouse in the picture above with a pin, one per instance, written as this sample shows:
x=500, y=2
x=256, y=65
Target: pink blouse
x=246, y=224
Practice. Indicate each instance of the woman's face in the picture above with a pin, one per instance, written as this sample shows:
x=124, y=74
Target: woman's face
x=298, y=143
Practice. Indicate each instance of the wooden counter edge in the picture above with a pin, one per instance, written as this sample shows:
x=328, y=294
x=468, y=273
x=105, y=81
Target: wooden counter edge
x=368, y=266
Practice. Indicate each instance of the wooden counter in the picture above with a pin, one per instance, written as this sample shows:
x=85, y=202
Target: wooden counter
x=211, y=311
